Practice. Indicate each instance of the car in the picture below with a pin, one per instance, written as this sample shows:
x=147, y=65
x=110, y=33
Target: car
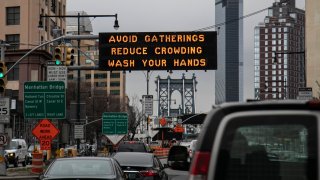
x=256, y=140
x=16, y=152
x=237, y=139
x=84, y=168
x=141, y=165
x=133, y=146
x=192, y=147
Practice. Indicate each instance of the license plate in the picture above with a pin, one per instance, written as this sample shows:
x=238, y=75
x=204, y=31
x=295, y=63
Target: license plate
x=132, y=176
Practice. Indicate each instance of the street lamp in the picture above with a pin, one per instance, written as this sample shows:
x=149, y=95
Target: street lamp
x=116, y=26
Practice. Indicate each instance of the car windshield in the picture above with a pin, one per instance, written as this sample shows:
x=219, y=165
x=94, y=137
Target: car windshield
x=12, y=145
x=132, y=147
x=134, y=159
x=81, y=167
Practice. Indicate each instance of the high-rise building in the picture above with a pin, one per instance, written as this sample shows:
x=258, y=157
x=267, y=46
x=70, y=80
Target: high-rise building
x=279, y=52
x=19, y=28
x=312, y=46
x=229, y=74
x=19, y=22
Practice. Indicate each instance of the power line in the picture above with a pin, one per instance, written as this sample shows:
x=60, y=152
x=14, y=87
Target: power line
x=233, y=20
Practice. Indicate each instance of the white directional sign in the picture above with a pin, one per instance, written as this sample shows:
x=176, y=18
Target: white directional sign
x=4, y=110
x=78, y=131
x=57, y=73
x=305, y=93
x=148, y=104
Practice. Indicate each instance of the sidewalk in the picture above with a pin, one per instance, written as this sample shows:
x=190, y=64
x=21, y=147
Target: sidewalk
x=20, y=173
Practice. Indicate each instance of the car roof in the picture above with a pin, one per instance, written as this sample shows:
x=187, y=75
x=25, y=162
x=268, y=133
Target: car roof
x=134, y=159
x=84, y=158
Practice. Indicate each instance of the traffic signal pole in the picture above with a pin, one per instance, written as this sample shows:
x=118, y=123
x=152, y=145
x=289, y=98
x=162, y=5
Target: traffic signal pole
x=69, y=37
x=3, y=169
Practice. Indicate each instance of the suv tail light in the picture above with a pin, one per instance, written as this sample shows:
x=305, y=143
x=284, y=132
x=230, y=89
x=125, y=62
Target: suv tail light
x=200, y=166
x=148, y=173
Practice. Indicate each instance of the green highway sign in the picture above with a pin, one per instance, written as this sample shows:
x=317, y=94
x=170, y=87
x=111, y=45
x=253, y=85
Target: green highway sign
x=114, y=123
x=45, y=99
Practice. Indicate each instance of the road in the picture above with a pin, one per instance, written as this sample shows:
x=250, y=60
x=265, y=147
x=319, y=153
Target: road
x=174, y=174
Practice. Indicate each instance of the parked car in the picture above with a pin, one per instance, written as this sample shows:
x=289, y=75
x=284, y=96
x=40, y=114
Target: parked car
x=139, y=165
x=133, y=146
x=84, y=168
x=238, y=141
x=16, y=152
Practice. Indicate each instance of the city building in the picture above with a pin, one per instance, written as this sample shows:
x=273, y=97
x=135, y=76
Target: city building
x=279, y=63
x=229, y=74
x=312, y=46
x=19, y=22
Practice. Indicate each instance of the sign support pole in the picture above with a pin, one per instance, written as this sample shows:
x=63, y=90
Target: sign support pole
x=3, y=169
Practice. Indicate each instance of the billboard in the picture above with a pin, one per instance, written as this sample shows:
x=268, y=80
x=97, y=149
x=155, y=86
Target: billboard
x=158, y=51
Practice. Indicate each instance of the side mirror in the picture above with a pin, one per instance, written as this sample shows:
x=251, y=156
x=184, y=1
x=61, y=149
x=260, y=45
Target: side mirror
x=178, y=158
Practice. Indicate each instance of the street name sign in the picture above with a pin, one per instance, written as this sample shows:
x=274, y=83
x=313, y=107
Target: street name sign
x=44, y=100
x=57, y=73
x=114, y=123
x=4, y=110
x=148, y=104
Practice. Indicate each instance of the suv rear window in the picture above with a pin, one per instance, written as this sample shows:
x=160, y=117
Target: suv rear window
x=132, y=147
x=270, y=147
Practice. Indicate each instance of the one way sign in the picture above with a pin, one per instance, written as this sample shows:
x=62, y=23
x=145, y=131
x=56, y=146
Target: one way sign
x=148, y=104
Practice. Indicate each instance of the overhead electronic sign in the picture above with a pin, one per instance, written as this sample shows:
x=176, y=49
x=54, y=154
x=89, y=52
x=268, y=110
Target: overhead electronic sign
x=158, y=51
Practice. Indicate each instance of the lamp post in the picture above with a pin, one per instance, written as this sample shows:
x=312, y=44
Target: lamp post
x=116, y=26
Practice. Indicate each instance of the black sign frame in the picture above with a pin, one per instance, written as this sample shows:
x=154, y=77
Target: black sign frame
x=158, y=51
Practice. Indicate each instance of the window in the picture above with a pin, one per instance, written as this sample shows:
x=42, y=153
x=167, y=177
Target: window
x=13, y=40
x=13, y=15
x=114, y=84
x=268, y=147
x=115, y=92
x=13, y=75
x=115, y=75
x=273, y=30
x=101, y=84
x=88, y=76
x=53, y=5
x=100, y=76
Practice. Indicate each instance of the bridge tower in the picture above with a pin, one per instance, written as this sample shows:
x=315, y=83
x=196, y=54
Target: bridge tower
x=185, y=87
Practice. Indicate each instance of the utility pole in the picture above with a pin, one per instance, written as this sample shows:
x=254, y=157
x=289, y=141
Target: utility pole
x=3, y=169
x=116, y=26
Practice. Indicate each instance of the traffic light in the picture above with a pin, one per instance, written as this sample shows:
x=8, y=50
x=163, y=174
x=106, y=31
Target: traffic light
x=69, y=56
x=58, y=55
x=3, y=78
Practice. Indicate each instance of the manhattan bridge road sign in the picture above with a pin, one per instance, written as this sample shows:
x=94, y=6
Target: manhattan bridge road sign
x=44, y=100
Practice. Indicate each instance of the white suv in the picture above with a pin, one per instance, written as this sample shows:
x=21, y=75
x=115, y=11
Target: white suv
x=16, y=152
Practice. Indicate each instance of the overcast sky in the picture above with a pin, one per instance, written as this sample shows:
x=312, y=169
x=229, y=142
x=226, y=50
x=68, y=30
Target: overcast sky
x=173, y=15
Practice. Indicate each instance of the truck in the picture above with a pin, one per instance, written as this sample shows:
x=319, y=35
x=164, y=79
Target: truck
x=255, y=140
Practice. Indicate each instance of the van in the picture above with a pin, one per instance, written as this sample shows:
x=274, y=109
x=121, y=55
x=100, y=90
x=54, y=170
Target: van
x=16, y=152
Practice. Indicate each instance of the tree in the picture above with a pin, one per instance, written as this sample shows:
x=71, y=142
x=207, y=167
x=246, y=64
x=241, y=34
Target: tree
x=135, y=116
